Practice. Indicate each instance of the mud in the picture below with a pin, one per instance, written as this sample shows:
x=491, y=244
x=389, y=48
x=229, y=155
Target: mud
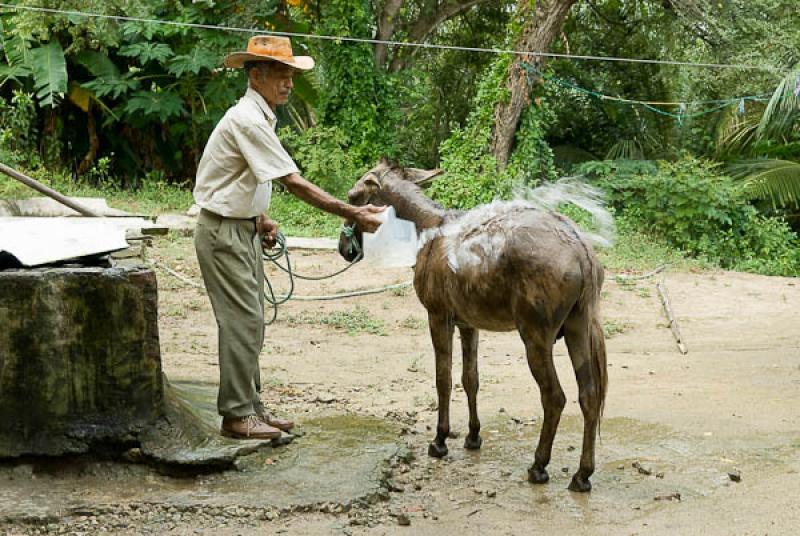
x=361, y=387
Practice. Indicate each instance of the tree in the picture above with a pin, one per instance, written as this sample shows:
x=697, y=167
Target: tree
x=541, y=22
x=422, y=18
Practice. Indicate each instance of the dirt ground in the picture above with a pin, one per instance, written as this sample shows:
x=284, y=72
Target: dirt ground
x=703, y=443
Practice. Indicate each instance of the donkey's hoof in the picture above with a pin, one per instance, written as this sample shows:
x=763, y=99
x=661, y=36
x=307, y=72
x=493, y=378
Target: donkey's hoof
x=580, y=484
x=437, y=451
x=537, y=476
x=473, y=443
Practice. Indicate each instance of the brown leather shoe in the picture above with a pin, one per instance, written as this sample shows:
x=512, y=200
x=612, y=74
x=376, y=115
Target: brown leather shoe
x=250, y=427
x=271, y=420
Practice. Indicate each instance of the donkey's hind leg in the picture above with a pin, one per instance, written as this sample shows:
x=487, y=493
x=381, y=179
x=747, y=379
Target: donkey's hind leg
x=441, y=327
x=469, y=379
x=577, y=336
x=539, y=350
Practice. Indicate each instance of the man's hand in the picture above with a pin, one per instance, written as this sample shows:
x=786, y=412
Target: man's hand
x=268, y=231
x=367, y=218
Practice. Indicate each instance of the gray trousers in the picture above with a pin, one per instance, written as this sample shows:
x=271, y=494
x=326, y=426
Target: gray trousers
x=229, y=252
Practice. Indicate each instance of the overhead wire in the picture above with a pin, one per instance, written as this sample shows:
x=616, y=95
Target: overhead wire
x=682, y=114
x=339, y=38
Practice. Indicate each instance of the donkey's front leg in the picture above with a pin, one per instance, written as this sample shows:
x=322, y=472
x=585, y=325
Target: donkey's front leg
x=469, y=379
x=441, y=326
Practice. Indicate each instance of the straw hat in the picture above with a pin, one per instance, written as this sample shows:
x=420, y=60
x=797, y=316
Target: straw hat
x=269, y=48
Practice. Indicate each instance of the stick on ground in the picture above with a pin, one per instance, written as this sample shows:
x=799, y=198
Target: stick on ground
x=673, y=324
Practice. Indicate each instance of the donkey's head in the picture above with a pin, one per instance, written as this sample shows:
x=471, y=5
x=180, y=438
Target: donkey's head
x=369, y=189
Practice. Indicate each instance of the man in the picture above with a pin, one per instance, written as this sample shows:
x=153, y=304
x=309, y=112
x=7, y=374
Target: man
x=242, y=158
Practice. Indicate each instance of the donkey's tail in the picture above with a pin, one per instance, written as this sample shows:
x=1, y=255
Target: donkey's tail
x=597, y=344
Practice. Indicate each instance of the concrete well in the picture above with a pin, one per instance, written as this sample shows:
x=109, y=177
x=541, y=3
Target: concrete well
x=80, y=370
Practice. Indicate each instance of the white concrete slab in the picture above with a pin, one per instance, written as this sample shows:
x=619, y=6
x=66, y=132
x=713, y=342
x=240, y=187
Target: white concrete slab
x=46, y=207
x=37, y=241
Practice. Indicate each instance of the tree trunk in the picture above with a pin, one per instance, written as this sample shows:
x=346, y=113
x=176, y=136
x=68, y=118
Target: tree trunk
x=542, y=24
x=94, y=142
x=427, y=23
x=386, y=24
x=432, y=14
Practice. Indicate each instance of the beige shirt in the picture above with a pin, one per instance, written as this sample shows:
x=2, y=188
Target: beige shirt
x=241, y=159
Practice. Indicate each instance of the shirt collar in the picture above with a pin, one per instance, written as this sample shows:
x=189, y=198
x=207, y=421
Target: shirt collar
x=262, y=103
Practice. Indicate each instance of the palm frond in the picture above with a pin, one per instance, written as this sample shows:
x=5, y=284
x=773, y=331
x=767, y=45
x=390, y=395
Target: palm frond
x=99, y=64
x=783, y=108
x=14, y=46
x=625, y=150
x=13, y=72
x=49, y=69
x=736, y=132
x=774, y=180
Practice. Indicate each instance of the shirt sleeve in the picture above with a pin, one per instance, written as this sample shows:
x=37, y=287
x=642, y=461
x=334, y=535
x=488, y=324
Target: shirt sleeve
x=261, y=148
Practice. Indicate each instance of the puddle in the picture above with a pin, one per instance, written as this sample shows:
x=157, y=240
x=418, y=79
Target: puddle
x=338, y=459
x=687, y=465
x=341, y=459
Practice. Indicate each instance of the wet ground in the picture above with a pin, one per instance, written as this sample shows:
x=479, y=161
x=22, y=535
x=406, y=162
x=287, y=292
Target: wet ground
x=707, y=443
x=331, y=463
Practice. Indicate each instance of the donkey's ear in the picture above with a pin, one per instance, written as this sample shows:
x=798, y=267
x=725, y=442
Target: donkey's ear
x=372, y=182
x=422, y=177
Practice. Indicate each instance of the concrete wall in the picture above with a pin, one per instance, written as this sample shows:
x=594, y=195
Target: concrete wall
x=79, y=358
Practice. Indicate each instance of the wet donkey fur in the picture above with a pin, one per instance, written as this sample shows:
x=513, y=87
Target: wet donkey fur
x=502, y=267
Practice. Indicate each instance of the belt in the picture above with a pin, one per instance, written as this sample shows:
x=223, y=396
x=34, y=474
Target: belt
x=213, y=216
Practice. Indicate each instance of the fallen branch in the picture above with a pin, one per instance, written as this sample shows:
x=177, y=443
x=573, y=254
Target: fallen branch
x=648, y=275
x=176, y=275
x=673, y=324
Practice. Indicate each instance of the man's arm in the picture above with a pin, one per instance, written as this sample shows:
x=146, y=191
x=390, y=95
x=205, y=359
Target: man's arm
x=365, y=217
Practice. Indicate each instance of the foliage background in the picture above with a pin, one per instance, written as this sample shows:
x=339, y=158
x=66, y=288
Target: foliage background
x=126, y=107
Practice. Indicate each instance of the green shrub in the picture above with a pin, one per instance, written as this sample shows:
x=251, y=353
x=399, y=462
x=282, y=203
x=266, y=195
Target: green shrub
x=355, y=96
x=18, y=130
x=297, y=218
x=472, y=176
x=639, y=250
x=692, y=207
x=768, y=246
x=323, y=157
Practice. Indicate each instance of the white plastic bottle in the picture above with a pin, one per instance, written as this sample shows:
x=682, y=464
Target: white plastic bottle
x=394, y=244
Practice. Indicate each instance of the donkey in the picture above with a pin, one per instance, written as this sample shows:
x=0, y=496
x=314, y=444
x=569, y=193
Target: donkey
x=501, y=267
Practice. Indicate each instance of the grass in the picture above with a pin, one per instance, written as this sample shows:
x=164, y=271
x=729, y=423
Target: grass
x=637, y=251
x=612, y=328
x=152, y=198
x=415, y=363
x=412, y=322
x=176, y=311
x=401, y=291
x=633, y=249
x=357, y=320
x=297, y=218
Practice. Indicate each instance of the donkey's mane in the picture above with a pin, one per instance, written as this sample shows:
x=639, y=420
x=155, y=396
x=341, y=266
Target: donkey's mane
x=410, y=201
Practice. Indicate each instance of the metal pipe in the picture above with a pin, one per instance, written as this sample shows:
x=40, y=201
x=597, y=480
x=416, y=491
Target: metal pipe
x=39, y=187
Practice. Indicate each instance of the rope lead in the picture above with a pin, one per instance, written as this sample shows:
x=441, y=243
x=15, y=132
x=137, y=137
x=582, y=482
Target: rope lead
x=280, y=250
